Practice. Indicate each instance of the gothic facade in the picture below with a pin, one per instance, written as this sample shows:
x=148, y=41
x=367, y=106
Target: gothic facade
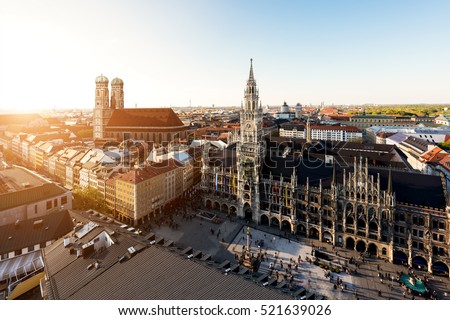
x=396, y=215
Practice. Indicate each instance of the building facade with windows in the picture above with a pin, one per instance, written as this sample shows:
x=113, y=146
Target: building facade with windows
x=394, y=214
x=322, y=132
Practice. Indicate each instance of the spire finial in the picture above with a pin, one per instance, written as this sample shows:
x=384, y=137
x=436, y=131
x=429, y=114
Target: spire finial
x=250, y=77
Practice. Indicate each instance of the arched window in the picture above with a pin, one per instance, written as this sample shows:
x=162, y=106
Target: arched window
x=349, y=221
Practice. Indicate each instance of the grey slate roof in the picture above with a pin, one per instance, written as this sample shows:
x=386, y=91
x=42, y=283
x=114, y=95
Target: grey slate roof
x=153, y=273
x=26, y=234
x=413, y=188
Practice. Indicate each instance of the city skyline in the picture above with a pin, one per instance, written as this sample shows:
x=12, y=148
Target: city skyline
x=179, y=54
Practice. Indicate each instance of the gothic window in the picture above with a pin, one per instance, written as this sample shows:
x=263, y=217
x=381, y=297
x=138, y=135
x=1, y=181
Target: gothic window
x=349, y=221
x=369, y=198
x=373, y=227
x=360, y=210
x=349, y=208
x=357, y=196
x=361, y=224
x=372, y=213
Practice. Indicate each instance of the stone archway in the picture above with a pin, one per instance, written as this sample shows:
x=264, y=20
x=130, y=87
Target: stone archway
x=420, y=263
x=439, y=268
x=313, y=233
x=350, y=243
x=248, y=212
x=361, y=246
x=224, y=208
x=327, y=237
x=400, y=257
x=216, y=206
x=264, y=220
x=372, y=249
x=301, y=230
x=286, y=226
x=233, y=211
x=275, y=222
x=208, y=204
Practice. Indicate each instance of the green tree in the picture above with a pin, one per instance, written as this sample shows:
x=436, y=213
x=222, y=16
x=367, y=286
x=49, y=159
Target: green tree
x=10, y=157
x=89, y=198
x=444, y=145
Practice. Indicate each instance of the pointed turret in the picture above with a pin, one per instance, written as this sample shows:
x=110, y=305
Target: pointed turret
x=308, y=131
x=389, y=187
x=250, y=76
x=333, y=178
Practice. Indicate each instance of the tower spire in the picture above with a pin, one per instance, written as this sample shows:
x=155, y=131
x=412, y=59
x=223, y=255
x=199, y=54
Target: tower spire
x=250, y=76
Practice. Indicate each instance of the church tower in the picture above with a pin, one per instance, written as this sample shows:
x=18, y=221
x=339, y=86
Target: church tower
x=250, y=151
x=117, y=97
x=102, y=112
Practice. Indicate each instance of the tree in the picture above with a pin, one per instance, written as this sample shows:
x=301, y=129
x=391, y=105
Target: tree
x=10, y=157
x=444, y=145
x=89, y=198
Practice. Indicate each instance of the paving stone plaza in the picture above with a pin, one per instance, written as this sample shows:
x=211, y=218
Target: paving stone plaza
x=226, y=239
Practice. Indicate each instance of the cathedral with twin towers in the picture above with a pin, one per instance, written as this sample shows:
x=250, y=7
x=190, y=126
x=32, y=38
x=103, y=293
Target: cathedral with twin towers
x=310, y=190
x=111, y=120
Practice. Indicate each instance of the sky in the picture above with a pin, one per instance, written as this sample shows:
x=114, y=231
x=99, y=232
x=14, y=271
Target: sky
x=197, y=52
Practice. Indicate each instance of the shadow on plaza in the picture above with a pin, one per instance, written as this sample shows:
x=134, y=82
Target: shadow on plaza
x=216, y=238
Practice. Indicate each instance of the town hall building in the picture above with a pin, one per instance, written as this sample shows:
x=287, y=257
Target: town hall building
x=386, y=211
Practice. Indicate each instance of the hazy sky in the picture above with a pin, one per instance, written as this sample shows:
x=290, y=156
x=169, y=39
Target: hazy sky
x=174, y=51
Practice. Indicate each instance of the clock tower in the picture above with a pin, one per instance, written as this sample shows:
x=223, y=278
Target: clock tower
x=250, y=151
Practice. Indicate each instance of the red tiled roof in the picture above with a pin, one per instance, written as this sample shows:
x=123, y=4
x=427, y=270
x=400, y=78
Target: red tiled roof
x=434, y=155
x=148, y=117
x=445, y=162
x=328, y=110
x=153, y=170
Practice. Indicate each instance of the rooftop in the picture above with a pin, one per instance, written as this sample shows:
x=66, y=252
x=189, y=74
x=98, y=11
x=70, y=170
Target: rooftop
x=24, y=234
x=21, y=187
x=413, y=188
x=148, y=117
x=16, y=178
x=144, y=272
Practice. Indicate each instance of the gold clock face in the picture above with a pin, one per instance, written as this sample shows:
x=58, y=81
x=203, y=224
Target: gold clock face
x=248, y=126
